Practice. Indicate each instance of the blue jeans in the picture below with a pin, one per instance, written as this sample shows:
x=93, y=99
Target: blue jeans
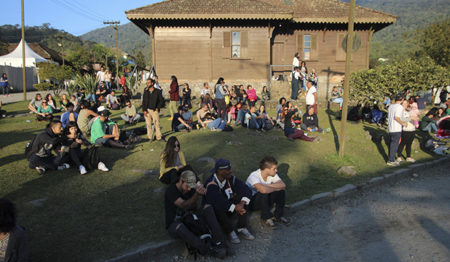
x=339, y=101
x=91, y=97
x=393, y=145
x=240, y=117
x=218, y=123
x=431, y=127
x=256, y=123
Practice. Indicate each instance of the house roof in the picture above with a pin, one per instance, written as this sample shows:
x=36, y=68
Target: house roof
x=330, y=11
x=209, y=9
x=301, y=11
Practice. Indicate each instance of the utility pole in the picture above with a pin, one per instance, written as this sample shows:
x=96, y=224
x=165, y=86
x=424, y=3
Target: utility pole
x=348, y=59
x=24, y=77
x=115, y=23
x=61, y=44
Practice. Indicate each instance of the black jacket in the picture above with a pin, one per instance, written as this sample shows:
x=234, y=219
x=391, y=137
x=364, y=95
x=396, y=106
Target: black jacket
x=44, y=143
x=152, y=100
x=310, y=120
x=17, y=249
x=217, y=197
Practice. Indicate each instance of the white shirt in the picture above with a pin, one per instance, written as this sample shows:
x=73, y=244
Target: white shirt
x=296, y=62
x=310, y=95
x=256, y=178
x=101, y=75
x=296, y=75
x=205, y=91
x=395, y=110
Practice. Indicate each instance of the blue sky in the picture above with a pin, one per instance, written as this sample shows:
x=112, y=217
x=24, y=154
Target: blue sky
x=74, y=16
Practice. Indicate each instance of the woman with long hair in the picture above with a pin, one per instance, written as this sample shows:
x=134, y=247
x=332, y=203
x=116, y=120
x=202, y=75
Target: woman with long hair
x=172, y=162
x=13, y=240
x=63, y=103
x=44, y=112
x=51, y=102
x=174, y=96
x=84, y=159
x=220, y=92
x=187, y=95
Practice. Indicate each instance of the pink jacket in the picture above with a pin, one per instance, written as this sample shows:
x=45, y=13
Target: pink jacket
x=252, y=94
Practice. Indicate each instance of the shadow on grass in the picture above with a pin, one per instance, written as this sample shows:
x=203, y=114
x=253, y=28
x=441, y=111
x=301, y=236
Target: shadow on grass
x=377, y=135
x=10, y=138
x=11, y=158
x=330, y=115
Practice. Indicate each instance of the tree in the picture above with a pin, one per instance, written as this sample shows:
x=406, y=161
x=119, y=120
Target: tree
x=54, y=76
x=418, y=74
x=140, y=60
x=435, y=42
x=101, y=54
x=80, y=58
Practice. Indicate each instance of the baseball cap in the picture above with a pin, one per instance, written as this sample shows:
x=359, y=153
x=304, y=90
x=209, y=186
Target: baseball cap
x=221, y=163
x=189, y=178
x=105, y=113
x=101, y=108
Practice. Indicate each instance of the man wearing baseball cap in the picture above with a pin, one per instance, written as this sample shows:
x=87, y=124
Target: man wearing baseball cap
x=101, y=133
x=180, y=208
x=229, y=196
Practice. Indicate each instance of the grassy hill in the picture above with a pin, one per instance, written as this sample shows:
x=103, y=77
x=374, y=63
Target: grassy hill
x=131, y=39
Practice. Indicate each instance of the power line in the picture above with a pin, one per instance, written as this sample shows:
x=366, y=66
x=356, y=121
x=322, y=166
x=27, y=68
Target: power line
x=77, y=11
x=82, y=8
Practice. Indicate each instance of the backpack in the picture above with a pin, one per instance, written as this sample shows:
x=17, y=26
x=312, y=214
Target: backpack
x=29, y=146
x=227, y=128
x=197, y=225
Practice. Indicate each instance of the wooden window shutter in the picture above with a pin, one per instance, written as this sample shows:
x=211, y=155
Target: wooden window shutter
x=314, y=48
x=300, y=45
x=340, y=53
x=226, y=39
x=244, y=39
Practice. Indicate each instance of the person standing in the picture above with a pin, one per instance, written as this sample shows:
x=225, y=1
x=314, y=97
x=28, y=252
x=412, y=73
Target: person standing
x=395, y=112
x=4, y=84
x=174, y=96
x=311, y=97
x=268, y=190
x=151, y=104
x=101, y=75
x=408, y=133
x=220, y=92
x=296, y=61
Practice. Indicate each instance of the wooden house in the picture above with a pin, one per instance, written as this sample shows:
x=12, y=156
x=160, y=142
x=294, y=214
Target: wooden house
x=253, y=40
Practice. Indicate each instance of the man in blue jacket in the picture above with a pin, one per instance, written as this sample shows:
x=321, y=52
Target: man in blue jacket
x=229, y=197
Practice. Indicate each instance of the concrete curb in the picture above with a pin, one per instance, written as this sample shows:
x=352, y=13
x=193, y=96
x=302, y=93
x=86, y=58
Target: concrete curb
x=151, y=249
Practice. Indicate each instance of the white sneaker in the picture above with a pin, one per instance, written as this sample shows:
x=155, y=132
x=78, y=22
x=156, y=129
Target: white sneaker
x=82, y=170
x=399, y=159
x=40, y=170
x=245, y=233
x=234, y=238
x=101, y=166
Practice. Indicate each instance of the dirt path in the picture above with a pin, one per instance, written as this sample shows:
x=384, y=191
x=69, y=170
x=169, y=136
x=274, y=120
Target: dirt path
x=405, y=221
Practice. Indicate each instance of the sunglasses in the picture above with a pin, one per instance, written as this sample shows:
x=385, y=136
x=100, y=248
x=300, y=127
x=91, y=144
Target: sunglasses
x=177, y=145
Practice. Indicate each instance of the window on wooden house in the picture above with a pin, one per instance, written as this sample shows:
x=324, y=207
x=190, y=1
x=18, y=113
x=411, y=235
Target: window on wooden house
x=235, y=44
x=307, y=47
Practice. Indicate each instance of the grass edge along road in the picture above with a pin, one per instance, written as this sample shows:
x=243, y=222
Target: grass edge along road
x=102, y=215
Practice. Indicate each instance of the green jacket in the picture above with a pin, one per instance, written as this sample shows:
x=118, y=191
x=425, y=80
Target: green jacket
x=425, y=121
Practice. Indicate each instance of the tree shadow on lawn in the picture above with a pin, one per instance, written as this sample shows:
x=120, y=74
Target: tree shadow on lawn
x=88, y=222
x=331, y=113
x=377, y=135
x=13, y=137
x=11, y=158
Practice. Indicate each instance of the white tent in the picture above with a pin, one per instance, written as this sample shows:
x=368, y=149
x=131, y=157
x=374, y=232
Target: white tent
x=14, y=59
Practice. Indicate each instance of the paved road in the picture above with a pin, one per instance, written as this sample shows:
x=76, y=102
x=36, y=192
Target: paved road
x=16, y=97
x=405, y=221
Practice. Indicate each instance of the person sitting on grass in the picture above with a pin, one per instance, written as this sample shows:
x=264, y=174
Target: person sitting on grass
x=130, y=116
x=172, y=162
x=39, y=151
x=85, y=118
x=266, y=119
x=112, y=102
x=251, y=94
x=180, y=200
x=74, y=100
x=289, y=127
x=35, y=103
x=51, y=102
x=428, y=124
x=63, y=103
x=44, y=112
x=254, y=121
x=377, y=115
x=13, y=238
x=336, y=97
x=205, y=91
x=265, y=94
x=179, y=122
x=69, y=115
x=311, y=121
x=204, y=116
x=229, y=197
x=240, y=118
x=125, y=96
x=268, y=190
x=84, y=159
x=104, y=134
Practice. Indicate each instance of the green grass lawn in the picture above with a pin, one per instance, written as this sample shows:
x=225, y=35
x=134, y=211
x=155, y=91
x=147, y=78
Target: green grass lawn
x=101, y=215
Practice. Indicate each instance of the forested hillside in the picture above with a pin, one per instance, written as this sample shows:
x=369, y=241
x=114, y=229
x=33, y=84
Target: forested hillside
x=411, y=15
x=131, y=39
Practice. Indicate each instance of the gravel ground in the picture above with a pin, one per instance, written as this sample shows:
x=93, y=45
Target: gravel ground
x=407, y=220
